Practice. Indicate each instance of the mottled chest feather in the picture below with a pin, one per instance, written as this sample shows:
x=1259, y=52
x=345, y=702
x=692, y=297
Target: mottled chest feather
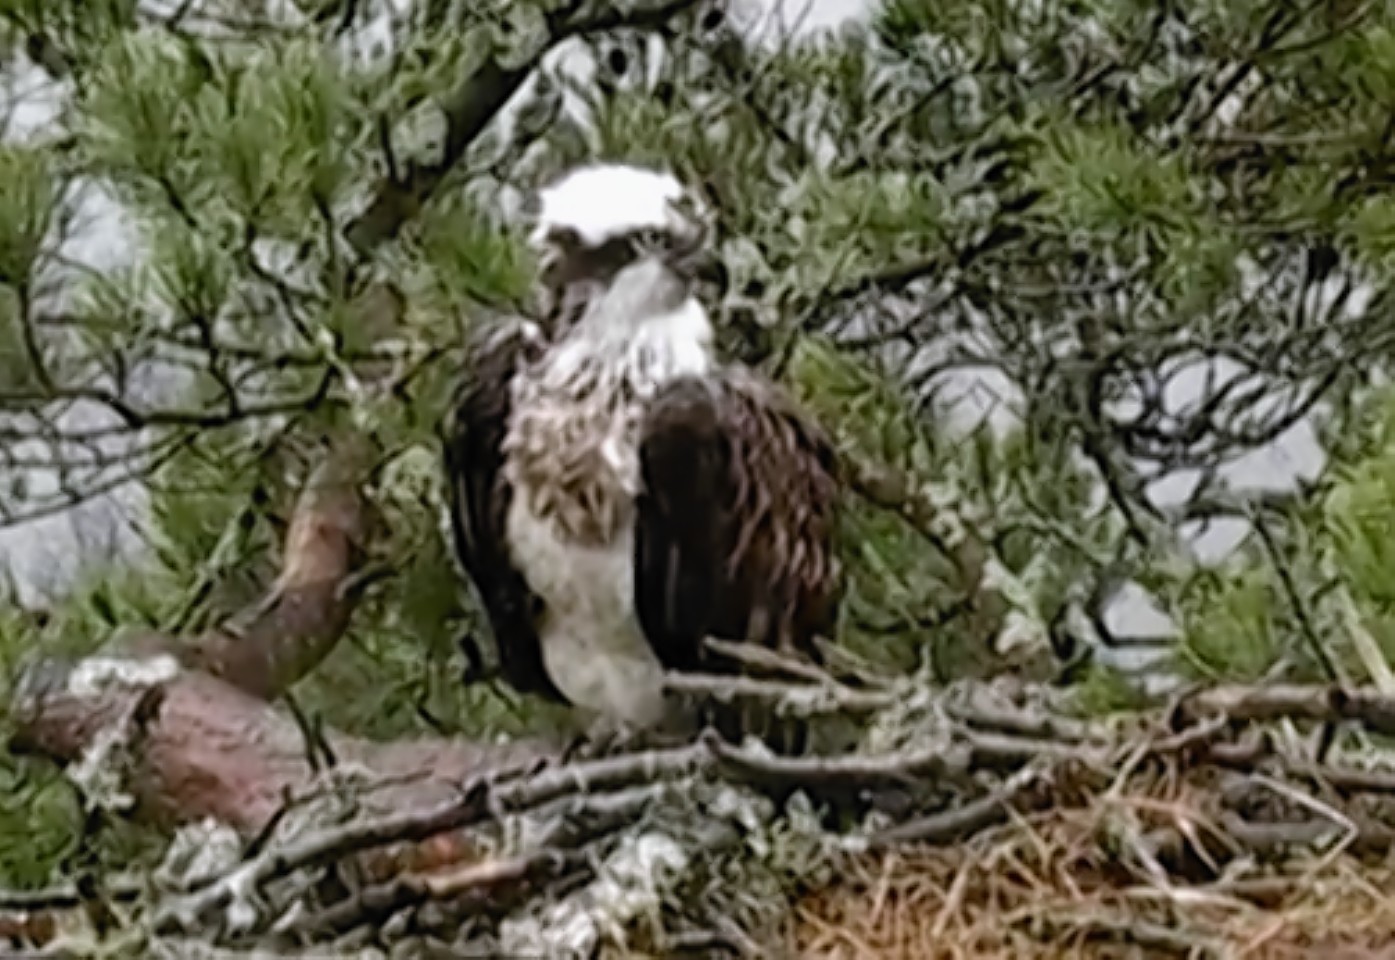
x=572, y=459
x=572, y=446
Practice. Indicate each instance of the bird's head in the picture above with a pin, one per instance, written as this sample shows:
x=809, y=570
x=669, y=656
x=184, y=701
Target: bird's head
x=617, y=229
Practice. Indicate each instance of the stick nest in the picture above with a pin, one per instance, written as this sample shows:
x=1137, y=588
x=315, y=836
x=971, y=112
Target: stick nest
x=987, y=819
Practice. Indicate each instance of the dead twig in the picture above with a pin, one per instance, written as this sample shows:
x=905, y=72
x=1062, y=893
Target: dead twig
x=789, y=699
x=958, y=823
x=480, y=882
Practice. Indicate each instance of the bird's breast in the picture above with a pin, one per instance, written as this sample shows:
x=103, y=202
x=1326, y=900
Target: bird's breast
x=592, y=644
x=591, y=580
x=575, y=465
x=571, y=460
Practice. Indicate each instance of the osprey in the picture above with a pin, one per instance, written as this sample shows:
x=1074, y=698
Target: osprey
x=616, y=492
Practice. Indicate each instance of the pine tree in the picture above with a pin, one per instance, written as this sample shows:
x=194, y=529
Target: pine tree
x=1088, y=200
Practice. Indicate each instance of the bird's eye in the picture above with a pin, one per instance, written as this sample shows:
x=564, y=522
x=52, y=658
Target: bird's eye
x=649, y=240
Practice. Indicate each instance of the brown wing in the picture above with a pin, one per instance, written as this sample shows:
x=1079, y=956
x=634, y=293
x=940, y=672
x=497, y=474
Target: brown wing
x=736, y=521
x=478, y=499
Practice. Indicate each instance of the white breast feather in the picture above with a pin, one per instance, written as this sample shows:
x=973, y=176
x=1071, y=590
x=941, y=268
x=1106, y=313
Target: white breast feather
x=593, y=646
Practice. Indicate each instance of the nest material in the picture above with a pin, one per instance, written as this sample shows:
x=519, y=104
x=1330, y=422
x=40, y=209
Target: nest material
x=985, y=820
x=1103, y=879
x=1233, y=823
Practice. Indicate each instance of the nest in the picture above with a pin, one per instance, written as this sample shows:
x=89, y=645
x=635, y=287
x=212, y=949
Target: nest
x=1106, y=878
x=987, y=819
x=1231, y=823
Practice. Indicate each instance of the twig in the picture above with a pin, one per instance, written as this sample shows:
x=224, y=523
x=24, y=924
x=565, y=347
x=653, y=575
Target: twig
x=941, y=762
x=1269, y=838
x=753, y=655
x=791, y=699
x=1295, y=597
x=961, y=822
x=1132, y=930
x=897, y=493
x=379, y=901
x=1298, y=701
x=477, y=802
x=982, y=711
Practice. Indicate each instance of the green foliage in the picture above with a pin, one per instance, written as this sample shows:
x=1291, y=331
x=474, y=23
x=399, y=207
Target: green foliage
x=260, y=134
x=845, y=227
x=897, y=580
x=1073, y=186
x=16, y=366
x=1371, y=229
x=60, y=35
x=1233, y=629
x=41, y=812
x=1103, y=691
x=1360, y=521
x=136, y=120
x=1240, y=622
x=468, y=259
x=1104, y=179
x=264, y=142
x=28, y=193
x=193, y=272
x=1023, y=493
x=38, y=806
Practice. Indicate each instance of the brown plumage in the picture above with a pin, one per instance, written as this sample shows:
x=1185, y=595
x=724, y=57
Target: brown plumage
x=618, y=494
x=737, y=519
x=478, y=501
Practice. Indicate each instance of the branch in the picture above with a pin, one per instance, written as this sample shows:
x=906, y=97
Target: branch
x=268, y=647
x=484, y=881
x=212, y=750
x=480, y=798
x=470, y=108
x=1330, y=704
x=898, y=493
x=1018, y=792
x=790, y=699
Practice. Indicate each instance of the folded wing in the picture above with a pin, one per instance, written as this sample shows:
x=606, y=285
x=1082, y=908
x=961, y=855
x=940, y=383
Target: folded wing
x=736, y=519
x=478, y=498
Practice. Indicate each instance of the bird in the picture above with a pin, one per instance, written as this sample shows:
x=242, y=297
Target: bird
x=617, y=492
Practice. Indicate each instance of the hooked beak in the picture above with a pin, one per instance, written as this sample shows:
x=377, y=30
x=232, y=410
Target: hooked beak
x=549, y=260
x=696, y=260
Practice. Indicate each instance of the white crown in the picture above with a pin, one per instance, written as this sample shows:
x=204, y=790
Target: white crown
x=606, y=200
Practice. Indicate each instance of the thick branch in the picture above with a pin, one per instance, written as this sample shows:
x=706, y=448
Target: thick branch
x=471, y=106
x=211, y=746
x=214, y=751
x=266, y=648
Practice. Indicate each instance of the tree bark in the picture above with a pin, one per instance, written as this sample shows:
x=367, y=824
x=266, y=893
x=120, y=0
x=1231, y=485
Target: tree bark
x=201, y=734
x=207, y=749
